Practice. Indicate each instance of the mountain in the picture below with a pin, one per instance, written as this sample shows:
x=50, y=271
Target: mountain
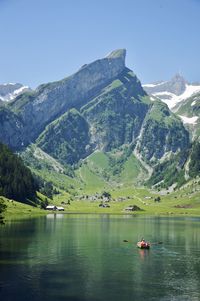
x=10, y=91
x=189, y=112
x=172, y=92
x=102, y=107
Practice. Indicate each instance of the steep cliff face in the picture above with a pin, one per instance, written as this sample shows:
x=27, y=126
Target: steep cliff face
x=11, y=128
x=162, y=132
x=101, y=107
x=51, y=100
x=116, y=115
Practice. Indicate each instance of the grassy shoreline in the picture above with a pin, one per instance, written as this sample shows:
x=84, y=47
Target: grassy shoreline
x=185, y=202
x=17, y=211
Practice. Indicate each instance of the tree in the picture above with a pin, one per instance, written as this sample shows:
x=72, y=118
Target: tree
x=157, y=199
x=16, y=180
x=2, y=210
x=106, y=194
x=47, y=189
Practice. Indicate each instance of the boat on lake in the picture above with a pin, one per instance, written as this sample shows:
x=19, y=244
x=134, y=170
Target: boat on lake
x=143, y=245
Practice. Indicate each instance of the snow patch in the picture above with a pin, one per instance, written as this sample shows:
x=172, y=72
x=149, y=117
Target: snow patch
x=11, y=84
x=13, y=94
x=153, y=85
x=20, y=90
x=173, y=99
x=189, y=120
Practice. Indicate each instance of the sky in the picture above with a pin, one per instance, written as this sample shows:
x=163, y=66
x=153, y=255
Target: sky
x=46, y=40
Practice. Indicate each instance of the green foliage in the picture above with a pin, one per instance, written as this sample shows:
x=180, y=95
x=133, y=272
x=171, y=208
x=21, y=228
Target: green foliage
x=157, y=199
x=44, y=203
x=47, y=190
x=35, y=158
x=16, y=180
x=194, y=166
x=169, y=172
x=163, y=132
x=2, y=210
x=67, y=138
x=106, y=194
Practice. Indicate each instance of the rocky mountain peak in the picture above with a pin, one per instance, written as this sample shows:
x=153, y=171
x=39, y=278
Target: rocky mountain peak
x=177, y=84
x=118, y=53
x=178, y=78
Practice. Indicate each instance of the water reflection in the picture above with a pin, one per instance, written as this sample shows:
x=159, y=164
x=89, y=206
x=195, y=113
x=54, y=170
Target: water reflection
x=83, y=257
x=143, y=253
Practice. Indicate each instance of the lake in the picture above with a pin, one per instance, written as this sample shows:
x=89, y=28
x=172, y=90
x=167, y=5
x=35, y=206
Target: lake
x=83, y=258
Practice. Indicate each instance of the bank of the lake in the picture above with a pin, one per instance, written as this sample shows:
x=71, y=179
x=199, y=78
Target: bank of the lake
x=182, y=202
x=16, y=210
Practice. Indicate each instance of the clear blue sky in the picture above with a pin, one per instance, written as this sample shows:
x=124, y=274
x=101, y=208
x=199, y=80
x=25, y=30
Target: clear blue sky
x=46, y=40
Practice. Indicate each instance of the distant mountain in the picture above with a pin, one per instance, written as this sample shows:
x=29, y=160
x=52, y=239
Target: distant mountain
x=189, y=112
x=102, y=107
x=10, y=91
x=172, y=92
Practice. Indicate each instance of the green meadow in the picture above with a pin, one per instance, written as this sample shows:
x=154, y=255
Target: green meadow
x=120, y=177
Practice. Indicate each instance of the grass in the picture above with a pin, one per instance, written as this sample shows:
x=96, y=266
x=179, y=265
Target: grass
x=143, y=198
x=121, y=198
x=132, y=169
x=16, y=210
x=90, y=180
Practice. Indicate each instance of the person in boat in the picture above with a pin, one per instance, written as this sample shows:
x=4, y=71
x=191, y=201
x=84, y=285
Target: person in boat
x=143, y=240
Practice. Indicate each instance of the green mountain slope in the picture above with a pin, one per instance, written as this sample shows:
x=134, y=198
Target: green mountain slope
x=162, y=132
x=102, y=108
x=67, y=138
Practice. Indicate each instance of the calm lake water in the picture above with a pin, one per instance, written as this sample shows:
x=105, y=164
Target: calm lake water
x=83, y=257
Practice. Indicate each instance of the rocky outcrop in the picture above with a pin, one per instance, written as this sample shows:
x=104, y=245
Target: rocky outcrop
x=11, y=129
x=162, y=132
x=51, y=100
x=116, y=115
x=101, y=107
x=176, y=86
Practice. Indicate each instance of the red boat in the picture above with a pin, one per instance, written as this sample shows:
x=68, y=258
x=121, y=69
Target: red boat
x=143, y=245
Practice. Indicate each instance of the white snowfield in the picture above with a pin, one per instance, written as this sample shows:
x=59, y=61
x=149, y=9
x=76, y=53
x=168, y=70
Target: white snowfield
x=189, y=120
x=153, y=85
x=172, y=99
x=15, y=93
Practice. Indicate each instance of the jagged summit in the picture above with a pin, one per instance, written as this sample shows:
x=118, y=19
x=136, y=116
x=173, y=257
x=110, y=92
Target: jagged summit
x=173, y=91
x=118, y=53
x=178, y=77
x=176, y=85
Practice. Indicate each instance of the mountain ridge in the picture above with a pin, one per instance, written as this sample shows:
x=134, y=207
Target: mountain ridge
x=102, y=106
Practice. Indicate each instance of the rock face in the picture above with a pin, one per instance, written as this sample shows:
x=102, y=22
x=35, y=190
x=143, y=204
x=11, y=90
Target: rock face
x=51, y=100
x=11, y=129
x=176, y=85
x=101, y=107
x=162, y=133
